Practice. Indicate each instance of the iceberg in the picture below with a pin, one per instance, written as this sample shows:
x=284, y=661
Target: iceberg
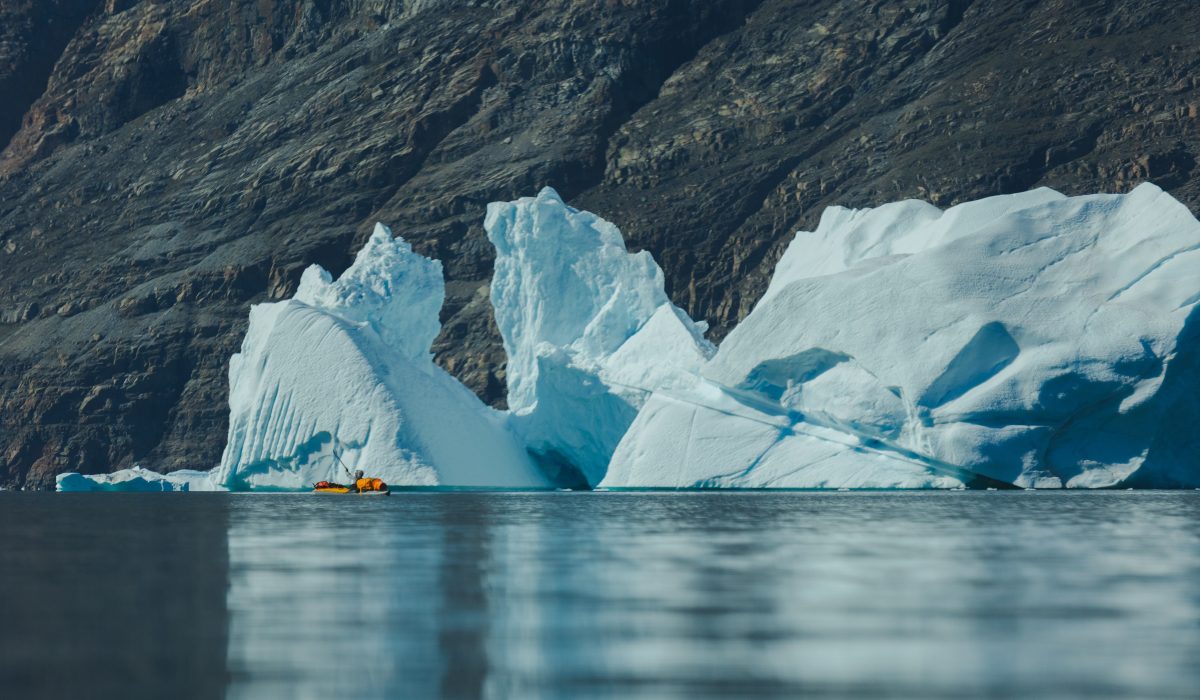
x=342, y=372
x=589, y=332
x=1034, y=339
x=1031, y=340
x=137, y=479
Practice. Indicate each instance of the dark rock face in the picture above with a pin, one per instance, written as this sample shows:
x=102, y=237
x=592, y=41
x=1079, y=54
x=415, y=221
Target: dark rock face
x=170, y=163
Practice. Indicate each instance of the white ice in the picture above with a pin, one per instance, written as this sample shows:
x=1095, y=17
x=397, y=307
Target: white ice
x=345, y=367
x=588, y=329
x=1032, y=339
x=342, y=374
x=138, y=479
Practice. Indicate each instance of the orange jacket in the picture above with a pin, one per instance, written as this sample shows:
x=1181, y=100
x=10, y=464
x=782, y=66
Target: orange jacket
x=369, y=484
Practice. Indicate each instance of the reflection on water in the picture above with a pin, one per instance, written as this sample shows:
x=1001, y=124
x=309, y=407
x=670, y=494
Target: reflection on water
x=606, y=594
x=115, y=597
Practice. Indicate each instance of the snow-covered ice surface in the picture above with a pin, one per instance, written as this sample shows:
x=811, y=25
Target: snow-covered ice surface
x=1034, y=339
x=588, y=329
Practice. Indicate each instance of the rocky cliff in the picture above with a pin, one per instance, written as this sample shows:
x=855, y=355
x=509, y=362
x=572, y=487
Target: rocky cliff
x=169, y=163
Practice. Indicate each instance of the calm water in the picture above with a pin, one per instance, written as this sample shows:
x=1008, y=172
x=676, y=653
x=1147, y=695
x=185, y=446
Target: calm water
x=576, y=595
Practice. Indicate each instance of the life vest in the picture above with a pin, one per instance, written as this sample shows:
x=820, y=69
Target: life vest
x=369, y=484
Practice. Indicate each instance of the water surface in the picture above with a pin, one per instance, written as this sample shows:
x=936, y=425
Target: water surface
x=623, y=595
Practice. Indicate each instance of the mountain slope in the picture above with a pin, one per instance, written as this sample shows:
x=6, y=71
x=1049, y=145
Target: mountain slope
x=180, y=161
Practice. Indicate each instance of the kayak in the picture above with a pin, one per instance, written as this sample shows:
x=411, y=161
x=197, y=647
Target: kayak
x=375, y=487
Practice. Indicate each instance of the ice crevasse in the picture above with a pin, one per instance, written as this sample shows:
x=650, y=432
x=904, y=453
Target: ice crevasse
x=1031, y=339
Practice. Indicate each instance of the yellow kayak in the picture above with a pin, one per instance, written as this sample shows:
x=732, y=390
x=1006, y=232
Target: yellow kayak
x=364, y=487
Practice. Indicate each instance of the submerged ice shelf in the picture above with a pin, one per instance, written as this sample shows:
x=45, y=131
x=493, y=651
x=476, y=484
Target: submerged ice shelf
x=1032, y=339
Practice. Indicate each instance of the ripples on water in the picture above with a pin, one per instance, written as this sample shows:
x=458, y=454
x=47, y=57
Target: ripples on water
x=628, y=595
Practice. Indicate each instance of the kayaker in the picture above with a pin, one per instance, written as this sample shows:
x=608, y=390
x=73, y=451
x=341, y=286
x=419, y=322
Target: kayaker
x=358, y=484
